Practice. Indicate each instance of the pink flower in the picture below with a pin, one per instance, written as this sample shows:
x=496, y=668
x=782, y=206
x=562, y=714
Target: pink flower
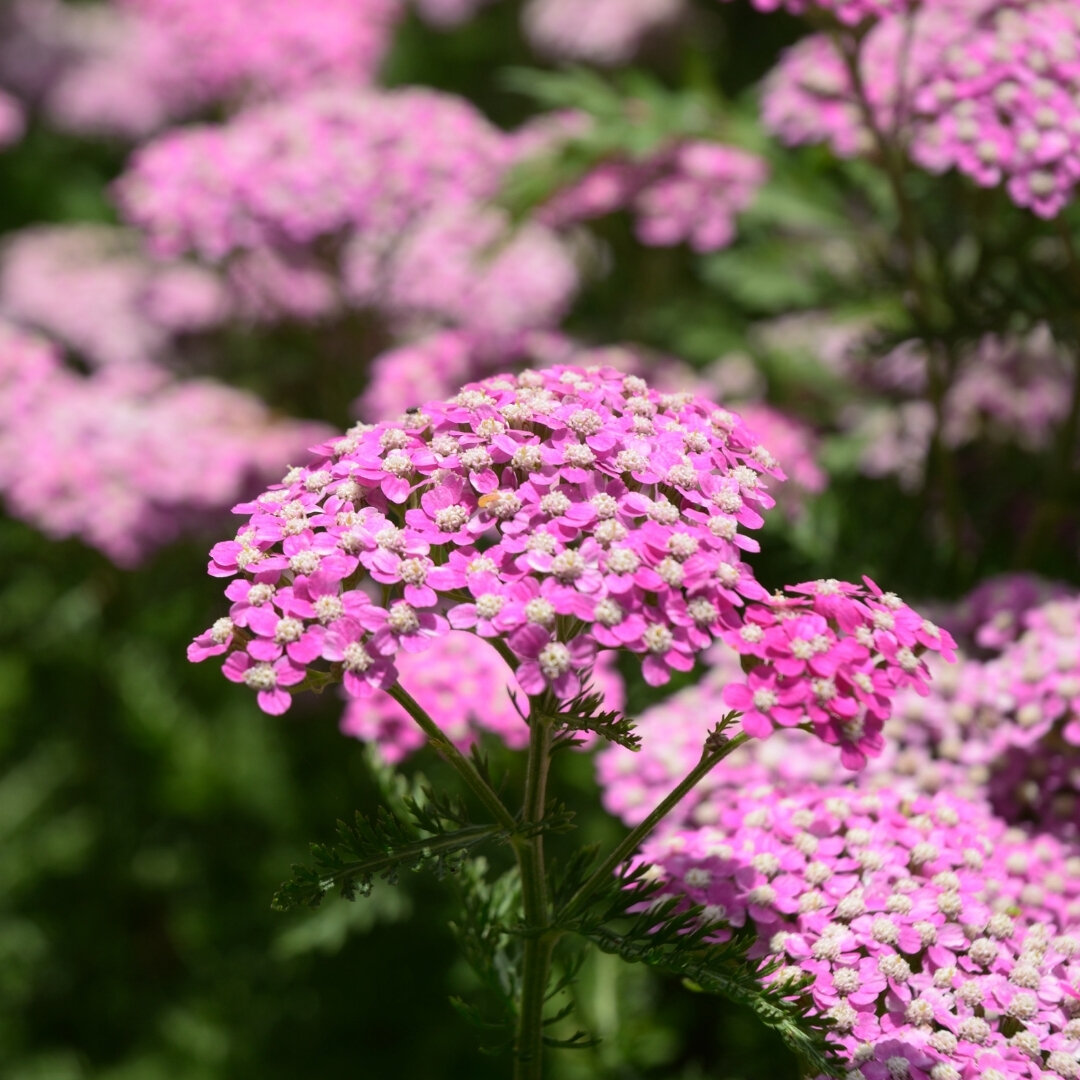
x=267, y=678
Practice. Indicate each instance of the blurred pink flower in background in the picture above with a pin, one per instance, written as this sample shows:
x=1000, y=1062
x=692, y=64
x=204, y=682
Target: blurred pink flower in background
x=12, y=120
x=600, y=32
x=130, y=67
x=95, y=457
x=985, y=87
x=93, y=289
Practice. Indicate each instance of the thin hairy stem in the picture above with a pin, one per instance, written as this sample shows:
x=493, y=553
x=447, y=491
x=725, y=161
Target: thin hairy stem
x=711, y=757
x=539, y=940
x=465, y=768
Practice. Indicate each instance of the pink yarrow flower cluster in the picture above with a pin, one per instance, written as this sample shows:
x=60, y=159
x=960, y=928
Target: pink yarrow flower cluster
x=91, y=287
x=436, y=365
x=287, y=173
x=925, y=926
x=1007, y=389
x=603, y=32
x=559, y=512
x=690, y=192
x=990, y=88
x=832, y=655
x=95, y=457
x=130, y=67
x=398, y=183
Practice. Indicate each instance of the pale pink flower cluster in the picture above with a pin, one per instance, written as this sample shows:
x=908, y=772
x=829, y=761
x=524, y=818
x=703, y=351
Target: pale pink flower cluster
x=605, y=32
x=1006, y=389
x=316, y=165
x=465, y=686
x=1012, y=721
x=130, y=67
x=690, y=192
x=990, y=88
x=940, y=944
x=991, y=615
x=91, y=288
x=95, y=457
x=560, y=512
x=12, y=120
x=850, y=12
x=395, y=184
x=472, y=268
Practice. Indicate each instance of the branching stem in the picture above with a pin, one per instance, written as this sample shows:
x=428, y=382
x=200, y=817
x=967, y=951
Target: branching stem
x=465, y=768
x=710, y=758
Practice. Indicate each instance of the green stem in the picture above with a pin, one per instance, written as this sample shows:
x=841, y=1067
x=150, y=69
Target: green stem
x=465, y=768
x=710, y=758
x=539, y=939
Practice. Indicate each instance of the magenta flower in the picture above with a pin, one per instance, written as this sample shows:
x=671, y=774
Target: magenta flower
x=266, y=678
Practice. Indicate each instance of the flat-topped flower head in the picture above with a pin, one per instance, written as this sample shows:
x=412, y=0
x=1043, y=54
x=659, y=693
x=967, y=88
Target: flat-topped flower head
x=920, y=920
x=533, y=510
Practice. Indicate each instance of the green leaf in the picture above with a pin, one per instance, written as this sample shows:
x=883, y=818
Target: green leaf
x=382, y=846
x=635, y=920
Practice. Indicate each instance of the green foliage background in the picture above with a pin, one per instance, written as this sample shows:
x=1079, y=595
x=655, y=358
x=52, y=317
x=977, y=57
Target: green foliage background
x=148, y=810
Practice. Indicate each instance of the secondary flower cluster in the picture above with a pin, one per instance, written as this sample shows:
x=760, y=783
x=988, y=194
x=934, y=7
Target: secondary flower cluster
x=989, y=88
x=1012, y=390
x=291, y=172
x=561, y=512
x=941, y=944
x=90, y=287
x=688, y=192
x=388, y=190
x=130, y=67
x=1002, y=731
x=464, y=685
x=833, y=655
x=95, y=456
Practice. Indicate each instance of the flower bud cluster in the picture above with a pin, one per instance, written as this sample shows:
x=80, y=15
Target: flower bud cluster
x=560, y=512
x=922, y=923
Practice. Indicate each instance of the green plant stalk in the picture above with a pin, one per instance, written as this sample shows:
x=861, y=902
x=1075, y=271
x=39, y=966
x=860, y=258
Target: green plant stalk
x=465, y=768
x=710, y=758
x=921, y=302
x=539, y=937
